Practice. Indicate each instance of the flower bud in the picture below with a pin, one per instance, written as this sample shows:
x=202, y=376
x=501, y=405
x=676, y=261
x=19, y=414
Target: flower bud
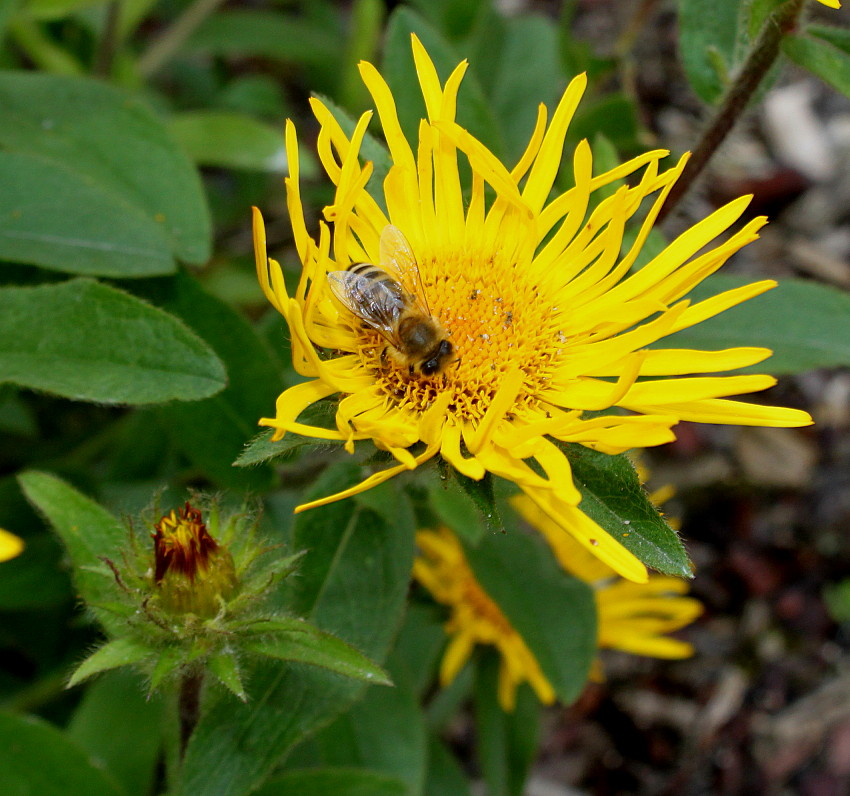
x=193, y=574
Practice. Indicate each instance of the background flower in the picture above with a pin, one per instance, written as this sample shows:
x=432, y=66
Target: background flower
x=631, y=617
x=10, y=545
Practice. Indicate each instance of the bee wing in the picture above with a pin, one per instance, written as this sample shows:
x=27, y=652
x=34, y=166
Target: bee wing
x=398, y=260
x=370, y=300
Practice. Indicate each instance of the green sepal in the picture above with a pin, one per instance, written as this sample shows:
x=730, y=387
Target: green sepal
x=226, y=668
x=613, y=497
x=112, y=655
x=298, y=640
x=167, y=663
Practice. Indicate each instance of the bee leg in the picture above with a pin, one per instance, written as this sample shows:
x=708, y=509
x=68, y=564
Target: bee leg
x=410, y=369
x=384, y=356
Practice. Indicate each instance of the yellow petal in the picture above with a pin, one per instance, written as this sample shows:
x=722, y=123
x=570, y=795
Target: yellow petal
x=10, y=545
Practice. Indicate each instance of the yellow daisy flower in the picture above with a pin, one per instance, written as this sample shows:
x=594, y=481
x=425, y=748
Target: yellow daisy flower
x=442, y=569
x=10, y=545
x=544, y=318
x=632, y=617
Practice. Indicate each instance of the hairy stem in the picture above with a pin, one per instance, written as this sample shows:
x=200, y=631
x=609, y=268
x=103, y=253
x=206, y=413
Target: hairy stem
x=189, y=706
x=762, y=56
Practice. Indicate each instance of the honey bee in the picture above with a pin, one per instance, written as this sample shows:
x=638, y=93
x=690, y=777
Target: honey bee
x=389, y=298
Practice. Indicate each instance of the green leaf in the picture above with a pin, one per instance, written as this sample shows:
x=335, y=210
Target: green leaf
x=457, y=508
x=837, y=599
x=444, y=772
x=481, y=494
x=837, y=37
x=613, y=116
x=297, y=640
x=417, y=648
x=454, y=17
x=524, y=77
x=121, y=728
x=112, y=655
x=58, y=219
x=87, y=341
x=474, y=111
x=212, y=432
x=232, y=140
x=111, y=141
x=612, y=496
x=553, y=612
x=506, y=742
x=89, y=532
x=262, y=449
x=353, y=583
x=336, y=781
x=225, y=668
x=384, y=732
x=266, y=33
x=35, y=579
x=57, y=9
x=285, y=37
x=822, y=58
x=41, y=760
x=708, y=35
x=805, y=324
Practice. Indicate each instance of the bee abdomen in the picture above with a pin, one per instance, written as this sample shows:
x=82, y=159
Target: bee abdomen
x=369, y=271
x=375, y=275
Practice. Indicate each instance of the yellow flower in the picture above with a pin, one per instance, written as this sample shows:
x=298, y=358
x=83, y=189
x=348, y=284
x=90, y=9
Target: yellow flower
x=632, y=617
x=831, y=3
x=442, y=569
x=10, y=545
x=545, y=318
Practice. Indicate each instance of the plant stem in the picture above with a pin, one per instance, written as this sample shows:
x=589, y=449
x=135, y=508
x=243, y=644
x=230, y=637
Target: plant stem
x=173, y=38
x=761, y=58
x=642, y=11
x=108, y=43
x=40, y=48
x=189, y=706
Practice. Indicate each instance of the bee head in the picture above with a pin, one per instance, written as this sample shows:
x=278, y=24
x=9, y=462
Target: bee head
x=434, y=364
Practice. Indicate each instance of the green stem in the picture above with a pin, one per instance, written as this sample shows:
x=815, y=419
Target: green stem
x=40, y=48
x=173, y=38
x=108, y=44
x=765, y=51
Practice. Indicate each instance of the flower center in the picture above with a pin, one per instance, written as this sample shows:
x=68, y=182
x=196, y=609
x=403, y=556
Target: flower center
x=496, y=319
